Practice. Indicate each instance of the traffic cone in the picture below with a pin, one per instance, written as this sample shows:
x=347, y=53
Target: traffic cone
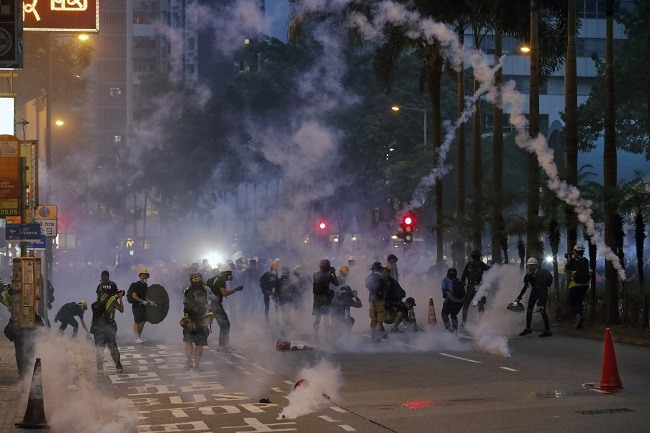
x=609, y=378
x=432, y=313
x=35, y=413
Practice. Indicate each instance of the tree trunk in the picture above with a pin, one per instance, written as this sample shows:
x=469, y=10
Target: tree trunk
x=610, y=166
x=497, y=229
x=532, y=216
x=458, y=253
x=570, y=129
x=435, y=77
x=477, y=166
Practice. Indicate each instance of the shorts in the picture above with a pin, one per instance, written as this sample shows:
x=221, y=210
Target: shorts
x=139, y=313
x=198, y=337
x=378, y=311
x=320, y=310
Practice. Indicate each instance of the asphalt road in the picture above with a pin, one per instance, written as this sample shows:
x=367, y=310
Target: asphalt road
x=425, y=383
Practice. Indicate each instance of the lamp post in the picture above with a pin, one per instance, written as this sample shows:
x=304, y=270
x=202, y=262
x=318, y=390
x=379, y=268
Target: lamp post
x=397, y=108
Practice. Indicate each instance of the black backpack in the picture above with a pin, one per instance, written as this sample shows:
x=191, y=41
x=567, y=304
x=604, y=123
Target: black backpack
x=458, y=288
x=129, y=295
x=581, y=275
x=98, y=309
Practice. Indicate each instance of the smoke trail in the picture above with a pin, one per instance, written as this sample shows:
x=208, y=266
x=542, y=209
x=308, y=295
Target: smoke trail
x=513, y=102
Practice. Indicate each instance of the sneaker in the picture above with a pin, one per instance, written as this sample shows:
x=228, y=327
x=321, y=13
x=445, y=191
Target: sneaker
x=525, y=332
x=119, y=369
x=139, y=340
x=188, y=366
x=546, y=334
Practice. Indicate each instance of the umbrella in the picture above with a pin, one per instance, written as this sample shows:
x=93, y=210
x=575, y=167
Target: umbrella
x=158, y=295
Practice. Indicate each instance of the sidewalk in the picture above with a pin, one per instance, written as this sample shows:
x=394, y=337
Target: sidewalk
x=12, y=400
x=620, y=333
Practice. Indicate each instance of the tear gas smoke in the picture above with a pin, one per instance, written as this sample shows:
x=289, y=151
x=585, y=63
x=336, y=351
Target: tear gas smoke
x=512, y=102
x=322, y=378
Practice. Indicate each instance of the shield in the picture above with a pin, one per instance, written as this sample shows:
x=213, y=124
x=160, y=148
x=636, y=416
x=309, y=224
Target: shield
x=158, y=295
x=515, y=306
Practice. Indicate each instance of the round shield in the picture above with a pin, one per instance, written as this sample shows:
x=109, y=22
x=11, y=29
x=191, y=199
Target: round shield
x=516, y=306
x=158, y=295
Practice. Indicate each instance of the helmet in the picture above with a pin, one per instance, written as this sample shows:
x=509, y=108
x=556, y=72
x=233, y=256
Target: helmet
x=344, y=269
x=452, y=272
x=274, y=265
x=577, y=248
x=475, y=254
x=84, y=304
x=376, y=266
x=195, y=277
x=391, y=258
x=325, y=264
x=531, y=261
x=143, y=271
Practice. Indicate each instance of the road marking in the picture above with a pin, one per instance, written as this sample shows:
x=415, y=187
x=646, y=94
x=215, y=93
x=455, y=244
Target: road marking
x=276, y=389
x=329, y=419
x=338, y=409
x=237, y=355
x=262, y=368
x=460, y=358
x=347, y=427
x=508, y=369
x=288, y=382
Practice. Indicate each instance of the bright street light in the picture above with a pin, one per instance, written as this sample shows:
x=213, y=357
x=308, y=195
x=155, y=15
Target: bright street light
x=59, y=122
x=524, y=49
x=83, y=37
x=397, y=108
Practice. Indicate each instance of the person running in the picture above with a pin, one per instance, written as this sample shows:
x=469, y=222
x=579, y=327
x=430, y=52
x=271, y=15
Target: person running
x=472, y=277
x=539, y=281
x=103, y=326
x=217, y=285
x=196, y=320
x=579, y=278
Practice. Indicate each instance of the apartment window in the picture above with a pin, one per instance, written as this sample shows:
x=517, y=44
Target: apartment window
x=115, y=92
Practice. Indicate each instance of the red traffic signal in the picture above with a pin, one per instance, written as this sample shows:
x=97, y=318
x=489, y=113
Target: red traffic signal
x=408, y=226
x=322, y=226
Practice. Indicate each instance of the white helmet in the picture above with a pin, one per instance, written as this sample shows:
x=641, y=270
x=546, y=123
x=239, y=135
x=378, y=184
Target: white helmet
x=531, y=261
x=577, y=248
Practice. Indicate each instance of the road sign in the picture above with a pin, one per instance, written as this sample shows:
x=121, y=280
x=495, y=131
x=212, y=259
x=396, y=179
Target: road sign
x=40, y=245
x=61, y=15
x=48, y=227
x=46, y=212
x=23, y=232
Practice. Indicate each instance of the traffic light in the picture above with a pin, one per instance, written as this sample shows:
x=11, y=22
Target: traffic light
x=408, y=226
x=322, y=228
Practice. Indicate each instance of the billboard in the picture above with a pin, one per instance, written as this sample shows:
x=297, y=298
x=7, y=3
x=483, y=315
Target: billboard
x=11, y=35
x=7, y=117
x=61, y=15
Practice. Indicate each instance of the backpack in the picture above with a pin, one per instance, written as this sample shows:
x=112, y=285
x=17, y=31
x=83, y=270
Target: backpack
x=581, y=275
x=99, y=311
x=195, y=301
x=129, y=295
x=458, y=288
x=474, y=273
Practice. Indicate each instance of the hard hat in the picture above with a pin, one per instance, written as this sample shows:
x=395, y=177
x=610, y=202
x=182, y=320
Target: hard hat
x=84, y=304
x=274, y=264
x=344, y=269
x=579, y=249
x=143, y=270
x=532, y=261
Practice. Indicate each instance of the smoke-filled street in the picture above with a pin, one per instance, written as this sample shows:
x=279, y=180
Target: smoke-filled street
x=434, y=382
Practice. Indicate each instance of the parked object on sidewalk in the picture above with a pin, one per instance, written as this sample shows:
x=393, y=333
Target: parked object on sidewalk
x=35, y=413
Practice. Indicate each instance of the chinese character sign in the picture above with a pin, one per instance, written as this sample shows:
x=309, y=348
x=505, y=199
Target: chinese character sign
x=61, y=15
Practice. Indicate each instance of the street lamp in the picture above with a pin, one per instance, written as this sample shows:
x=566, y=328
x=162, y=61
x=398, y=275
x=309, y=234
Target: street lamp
x=397, y=108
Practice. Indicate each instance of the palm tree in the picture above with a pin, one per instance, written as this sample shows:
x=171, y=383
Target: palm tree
x=497, y=227
x=570, y=129
x=610, y=166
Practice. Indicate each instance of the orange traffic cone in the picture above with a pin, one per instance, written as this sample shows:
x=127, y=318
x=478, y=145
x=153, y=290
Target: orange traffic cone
x=35, y=413
x=432, y=313
x=282, y=344
x=609, y=378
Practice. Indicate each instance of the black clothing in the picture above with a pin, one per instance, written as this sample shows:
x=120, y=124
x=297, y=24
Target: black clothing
x=472, y=276
x=66, y=315
x=140, y=289
x=321, y=288
x=215, y=284
x=108, y=287
x=195, y=301
x=539, y=282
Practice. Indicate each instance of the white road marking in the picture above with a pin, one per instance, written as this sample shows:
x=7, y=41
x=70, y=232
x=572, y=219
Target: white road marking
x=276, y=389
x=508, y=369
x=288, y=382
x=460, y=358
x=237, y=355
x=329, y=419
x=347, y=427
x=262, y=368
x=338, y=409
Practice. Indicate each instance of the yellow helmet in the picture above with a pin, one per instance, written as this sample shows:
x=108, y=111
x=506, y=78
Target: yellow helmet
x=274, y=265
x=344, y=269
x=84, y=304
x=143, y=270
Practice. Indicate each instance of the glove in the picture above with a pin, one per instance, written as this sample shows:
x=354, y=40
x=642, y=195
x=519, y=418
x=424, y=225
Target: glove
x=152, y=303
x=239, y=288
x=144, y=303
